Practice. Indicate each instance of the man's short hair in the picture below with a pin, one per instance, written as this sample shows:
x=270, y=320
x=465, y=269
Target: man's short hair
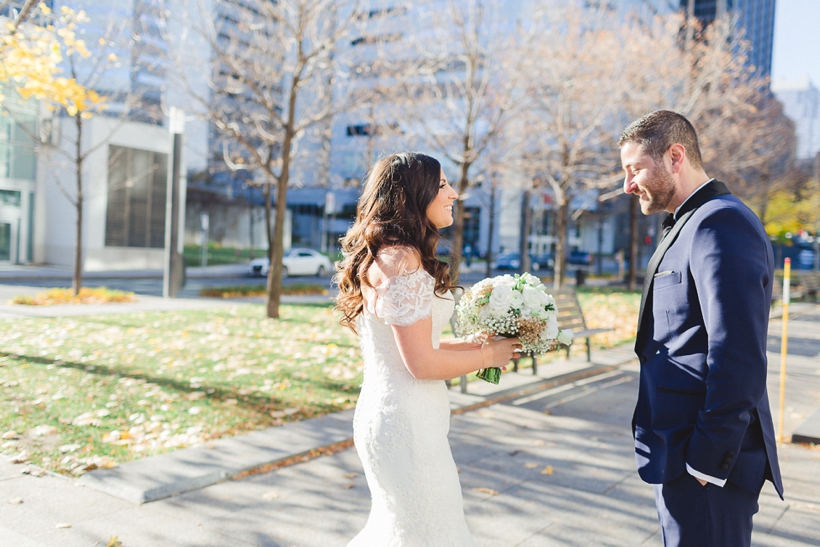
x=657, y=131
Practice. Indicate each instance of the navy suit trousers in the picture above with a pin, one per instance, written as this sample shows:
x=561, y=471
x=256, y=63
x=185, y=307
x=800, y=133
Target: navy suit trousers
x=692, y=515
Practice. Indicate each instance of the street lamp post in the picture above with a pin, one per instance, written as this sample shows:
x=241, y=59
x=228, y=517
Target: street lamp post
x=173, y=270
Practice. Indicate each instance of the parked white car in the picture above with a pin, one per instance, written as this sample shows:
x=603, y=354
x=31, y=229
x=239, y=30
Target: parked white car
x=295, y=262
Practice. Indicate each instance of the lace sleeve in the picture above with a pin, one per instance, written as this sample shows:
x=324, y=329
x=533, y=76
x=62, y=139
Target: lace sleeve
x=406, y=298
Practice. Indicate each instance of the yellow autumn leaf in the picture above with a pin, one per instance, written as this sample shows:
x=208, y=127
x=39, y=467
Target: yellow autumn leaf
x=547, y=470
x=31, y=62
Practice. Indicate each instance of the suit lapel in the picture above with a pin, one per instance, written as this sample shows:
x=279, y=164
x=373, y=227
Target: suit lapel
x=707, y=193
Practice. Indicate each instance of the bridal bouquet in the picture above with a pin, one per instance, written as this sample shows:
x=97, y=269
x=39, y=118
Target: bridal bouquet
x=511, y=306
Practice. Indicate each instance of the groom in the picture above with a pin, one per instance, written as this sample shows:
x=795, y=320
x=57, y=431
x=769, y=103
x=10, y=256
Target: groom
x=702, y=425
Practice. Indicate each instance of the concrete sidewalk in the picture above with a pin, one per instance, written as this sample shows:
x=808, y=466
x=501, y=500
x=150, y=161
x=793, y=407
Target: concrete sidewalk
x=551, y=464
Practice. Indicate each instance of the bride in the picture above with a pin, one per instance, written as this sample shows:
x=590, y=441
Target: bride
x=394, y=293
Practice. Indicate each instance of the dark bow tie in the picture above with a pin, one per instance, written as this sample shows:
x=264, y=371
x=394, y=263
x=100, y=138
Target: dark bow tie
x=668, y=223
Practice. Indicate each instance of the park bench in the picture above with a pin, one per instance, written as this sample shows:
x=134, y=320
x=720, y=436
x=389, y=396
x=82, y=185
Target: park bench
x=809, y=283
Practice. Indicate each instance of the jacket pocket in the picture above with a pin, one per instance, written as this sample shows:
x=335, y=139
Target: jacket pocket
x=662, y=280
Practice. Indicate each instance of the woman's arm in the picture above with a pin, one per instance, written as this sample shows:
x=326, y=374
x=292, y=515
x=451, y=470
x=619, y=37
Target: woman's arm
x=427, y=363
x=415, y=340
x=459, y=344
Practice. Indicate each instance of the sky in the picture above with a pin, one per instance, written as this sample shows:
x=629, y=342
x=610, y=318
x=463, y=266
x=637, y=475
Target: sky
x=796, y=51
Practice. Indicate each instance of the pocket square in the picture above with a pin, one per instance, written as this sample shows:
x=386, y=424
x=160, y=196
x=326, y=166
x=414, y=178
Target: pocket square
x=662, y=274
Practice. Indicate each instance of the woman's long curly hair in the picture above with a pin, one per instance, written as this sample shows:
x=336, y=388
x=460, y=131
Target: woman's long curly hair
x=392, y=211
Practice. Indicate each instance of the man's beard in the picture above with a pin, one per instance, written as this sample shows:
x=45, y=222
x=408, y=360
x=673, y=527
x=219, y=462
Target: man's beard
x=660, y=189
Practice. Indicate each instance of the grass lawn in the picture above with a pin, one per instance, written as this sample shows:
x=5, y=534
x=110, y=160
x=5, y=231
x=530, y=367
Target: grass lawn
x=83, y=392
x=606, y=307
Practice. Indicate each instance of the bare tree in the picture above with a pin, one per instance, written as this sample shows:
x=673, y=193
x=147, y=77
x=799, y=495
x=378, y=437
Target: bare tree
x=279, y=72
x=75, y=149
x=467, y=92
x=87, y=66
x=705, y=77
x=573, y=84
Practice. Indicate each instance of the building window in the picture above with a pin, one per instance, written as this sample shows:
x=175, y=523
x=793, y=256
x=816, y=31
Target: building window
x=380, y=13
x=18, y=158
x=137, y=182
x=5, y=241
x=11, y=198
x=370, y=130
x=378, y=39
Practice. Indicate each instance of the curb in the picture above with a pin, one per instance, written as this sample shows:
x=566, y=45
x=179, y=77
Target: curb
x=165, y=475
x=809, y=431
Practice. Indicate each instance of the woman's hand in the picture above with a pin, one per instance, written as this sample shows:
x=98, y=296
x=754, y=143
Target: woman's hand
x=501, y=351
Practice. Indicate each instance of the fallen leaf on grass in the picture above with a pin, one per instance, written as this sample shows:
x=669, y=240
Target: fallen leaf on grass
x=22, y=457
x=63, y=525
x=484, y=490
x=547, y=470
x=42, y=430
x=351, y=475
x=348, y=486
x=87, y=418
x=114, y=542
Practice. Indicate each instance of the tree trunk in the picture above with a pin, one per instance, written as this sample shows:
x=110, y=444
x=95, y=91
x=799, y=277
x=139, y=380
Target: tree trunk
x=77, y=281
x=526, y=228
x=632, y=275
x=266, y=190
x=277, y=250
x=561, y=222
x=458, y=224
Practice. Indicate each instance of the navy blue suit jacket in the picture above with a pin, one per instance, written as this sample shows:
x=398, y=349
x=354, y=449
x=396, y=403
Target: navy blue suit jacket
x=701, y=342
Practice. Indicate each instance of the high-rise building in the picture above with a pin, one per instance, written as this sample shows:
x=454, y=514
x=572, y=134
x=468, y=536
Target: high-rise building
x=755, y=19
x=801, y=103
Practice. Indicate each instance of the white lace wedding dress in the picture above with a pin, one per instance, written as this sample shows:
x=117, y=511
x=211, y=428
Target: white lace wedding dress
x=401, y=425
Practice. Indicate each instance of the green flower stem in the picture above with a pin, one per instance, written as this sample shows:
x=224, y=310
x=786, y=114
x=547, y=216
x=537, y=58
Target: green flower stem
x=492, y=374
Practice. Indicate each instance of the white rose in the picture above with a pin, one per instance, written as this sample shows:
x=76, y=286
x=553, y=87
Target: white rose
x=533, y=298
x=516, y=300
x=565, y=337
x=504, y=280
x=501, y=299
x=550, y=332
x=530, y=279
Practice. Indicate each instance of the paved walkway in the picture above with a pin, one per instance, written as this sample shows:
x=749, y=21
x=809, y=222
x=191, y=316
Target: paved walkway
x=550, y=463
